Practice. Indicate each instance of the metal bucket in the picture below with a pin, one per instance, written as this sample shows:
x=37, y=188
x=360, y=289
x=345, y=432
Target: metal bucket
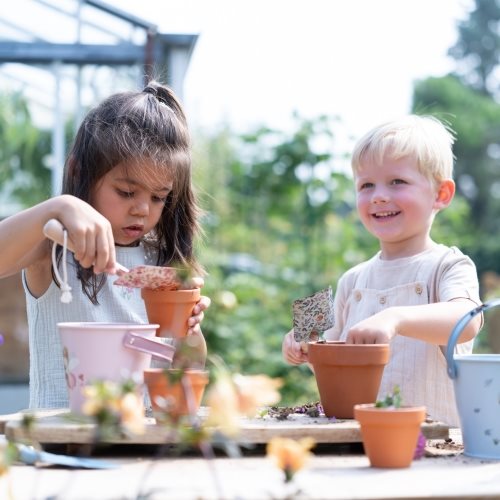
x=477, y=392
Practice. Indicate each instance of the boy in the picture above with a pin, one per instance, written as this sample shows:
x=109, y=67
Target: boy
x=414, y=290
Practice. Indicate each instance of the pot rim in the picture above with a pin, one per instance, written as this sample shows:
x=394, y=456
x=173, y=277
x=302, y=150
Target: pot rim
x=485, y=358
x=89, y=325
x=187, y=370
x=341, y=344
x=370, y=407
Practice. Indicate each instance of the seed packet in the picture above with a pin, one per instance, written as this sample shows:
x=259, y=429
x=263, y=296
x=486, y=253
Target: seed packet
x=313, y=315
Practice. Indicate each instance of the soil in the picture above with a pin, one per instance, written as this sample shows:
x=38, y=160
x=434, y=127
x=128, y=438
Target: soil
x=437, y=447
x=313, y=410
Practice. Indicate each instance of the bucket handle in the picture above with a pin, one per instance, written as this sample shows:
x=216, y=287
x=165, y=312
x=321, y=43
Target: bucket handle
x=457, y=330
x=158, y=350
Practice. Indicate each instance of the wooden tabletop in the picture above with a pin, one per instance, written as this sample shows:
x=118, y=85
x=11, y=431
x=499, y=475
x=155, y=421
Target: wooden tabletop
x=59, y=426
x=336, y=471
x=329, y=475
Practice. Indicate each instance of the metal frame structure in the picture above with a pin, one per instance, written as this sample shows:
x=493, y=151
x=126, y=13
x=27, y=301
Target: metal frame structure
x=160, y=51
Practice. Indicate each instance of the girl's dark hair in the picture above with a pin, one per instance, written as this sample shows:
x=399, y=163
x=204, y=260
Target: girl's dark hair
x=127, y=128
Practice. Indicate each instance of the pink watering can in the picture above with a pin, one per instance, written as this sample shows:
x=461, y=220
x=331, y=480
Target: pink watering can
x=107, y=351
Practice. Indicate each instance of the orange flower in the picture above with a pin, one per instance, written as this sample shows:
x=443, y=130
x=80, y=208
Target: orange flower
x=290, y=455
x=4, y=462
x=132, y=413
x=254, y=391
x=233, y=397
x=222, y=400
x=112, y=404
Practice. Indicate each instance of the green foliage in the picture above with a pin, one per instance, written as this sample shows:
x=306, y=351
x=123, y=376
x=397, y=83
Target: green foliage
x=392, y=400
x=468, y=100
x=280, y=224
x=476, y=120
x=24, y=177
x=478, y=46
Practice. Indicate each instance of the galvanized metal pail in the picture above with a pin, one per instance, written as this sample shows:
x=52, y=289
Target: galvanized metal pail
x=477, y=392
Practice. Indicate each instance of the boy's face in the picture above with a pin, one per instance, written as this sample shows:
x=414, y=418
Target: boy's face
x=397, y=204
x=132, y=199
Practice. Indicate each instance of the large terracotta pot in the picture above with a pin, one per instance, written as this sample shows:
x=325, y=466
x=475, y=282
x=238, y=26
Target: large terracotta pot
x=389, y=435
x=175, y=396
x=347, y=374
x=171, y=308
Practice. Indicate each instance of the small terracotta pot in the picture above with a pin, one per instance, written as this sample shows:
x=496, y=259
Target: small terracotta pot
x=179, y=397
x=171, y=308
x=347, y=374
x=390, y=435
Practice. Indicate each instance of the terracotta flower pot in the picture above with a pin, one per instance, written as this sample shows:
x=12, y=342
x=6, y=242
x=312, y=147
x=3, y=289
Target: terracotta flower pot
x=347, y=374
x=389, y=435
x=171, y=308
x=172, y=396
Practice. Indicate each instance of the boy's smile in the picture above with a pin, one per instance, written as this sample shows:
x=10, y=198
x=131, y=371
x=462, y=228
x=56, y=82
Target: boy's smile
x=397, y=204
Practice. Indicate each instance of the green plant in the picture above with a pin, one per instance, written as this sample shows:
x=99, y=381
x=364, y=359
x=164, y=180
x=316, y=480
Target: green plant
x=392, y=400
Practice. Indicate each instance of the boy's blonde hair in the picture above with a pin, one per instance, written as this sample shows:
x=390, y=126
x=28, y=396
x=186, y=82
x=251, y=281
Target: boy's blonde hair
x=424, y=138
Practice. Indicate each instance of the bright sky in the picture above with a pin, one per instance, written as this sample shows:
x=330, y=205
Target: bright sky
x=256, y=61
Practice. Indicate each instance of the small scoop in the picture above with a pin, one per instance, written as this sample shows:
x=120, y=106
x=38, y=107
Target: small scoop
x=154, y=277
x=30, y=456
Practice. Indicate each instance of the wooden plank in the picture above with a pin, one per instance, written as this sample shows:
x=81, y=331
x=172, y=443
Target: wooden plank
x=60, y=427
x=18, y=416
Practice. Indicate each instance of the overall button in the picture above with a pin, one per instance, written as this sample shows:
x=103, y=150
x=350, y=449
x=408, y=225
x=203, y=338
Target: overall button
x=418, y=289
x=357, y=295
x=382, y=300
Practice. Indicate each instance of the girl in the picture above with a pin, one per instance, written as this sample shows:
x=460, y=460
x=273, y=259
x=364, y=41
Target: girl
x=127, y=198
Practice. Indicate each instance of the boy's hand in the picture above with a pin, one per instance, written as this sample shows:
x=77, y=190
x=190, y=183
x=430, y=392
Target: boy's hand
x=293, y=351
x=377, y=329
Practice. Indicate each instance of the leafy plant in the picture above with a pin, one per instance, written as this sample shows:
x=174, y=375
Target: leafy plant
x=392, y=400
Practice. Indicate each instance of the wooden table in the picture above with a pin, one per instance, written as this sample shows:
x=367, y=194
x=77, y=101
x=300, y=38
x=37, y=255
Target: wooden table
x=337, y=471
x=59, y=426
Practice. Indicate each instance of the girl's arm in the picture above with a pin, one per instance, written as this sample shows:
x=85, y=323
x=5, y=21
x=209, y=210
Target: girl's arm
x=24, y=245
x=431, y=323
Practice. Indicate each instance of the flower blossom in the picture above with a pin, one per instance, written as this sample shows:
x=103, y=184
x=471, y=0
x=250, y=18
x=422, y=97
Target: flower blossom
x=290, y=455
x=115, y=405
x=231, y=397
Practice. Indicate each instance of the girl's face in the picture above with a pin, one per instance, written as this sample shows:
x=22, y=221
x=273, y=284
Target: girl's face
x=132, y=198
x=397, y=204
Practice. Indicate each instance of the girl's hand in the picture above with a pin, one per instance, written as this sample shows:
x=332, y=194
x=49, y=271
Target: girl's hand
x=292, y=350
x=90, y=233
x=194, y=322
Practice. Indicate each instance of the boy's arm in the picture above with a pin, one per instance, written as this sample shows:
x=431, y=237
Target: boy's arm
x=431, y=323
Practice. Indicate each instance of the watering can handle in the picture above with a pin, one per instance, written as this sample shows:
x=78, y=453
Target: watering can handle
x=457, y=330
x=158, y=350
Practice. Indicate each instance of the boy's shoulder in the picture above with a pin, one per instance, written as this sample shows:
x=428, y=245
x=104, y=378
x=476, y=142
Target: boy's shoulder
x=353, y=272
x=440, y=256
x=443, y=254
